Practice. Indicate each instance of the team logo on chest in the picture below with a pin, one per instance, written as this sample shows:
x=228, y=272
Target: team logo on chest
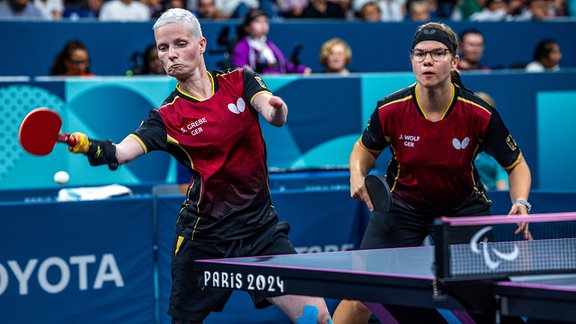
x=460, y=145
x=238, y=107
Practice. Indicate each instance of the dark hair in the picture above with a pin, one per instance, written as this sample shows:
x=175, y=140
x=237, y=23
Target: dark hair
x=65, y=54
x=455, y=78
x=544, y=48
x=146, y=58
x=468, y=31
x=251, y=16
x=242, y=30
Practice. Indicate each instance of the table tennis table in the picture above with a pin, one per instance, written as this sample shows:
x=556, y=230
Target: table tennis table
x=401, y=276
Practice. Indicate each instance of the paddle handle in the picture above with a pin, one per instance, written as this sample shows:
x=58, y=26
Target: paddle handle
x=68, y=139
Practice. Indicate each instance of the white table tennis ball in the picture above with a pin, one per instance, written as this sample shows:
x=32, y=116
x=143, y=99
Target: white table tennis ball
x=61, y=177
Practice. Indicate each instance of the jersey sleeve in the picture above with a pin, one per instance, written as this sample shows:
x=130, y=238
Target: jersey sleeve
x=253, y=84
x=499, y=143
x=373, y=137
x=152, y=133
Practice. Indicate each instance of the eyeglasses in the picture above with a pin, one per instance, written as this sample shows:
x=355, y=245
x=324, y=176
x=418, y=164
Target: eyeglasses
x=437, y=54
x=78, y=63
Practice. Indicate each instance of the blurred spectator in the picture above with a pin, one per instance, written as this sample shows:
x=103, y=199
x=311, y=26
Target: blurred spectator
x=516, y=10
x=156, y=7
x=169, y=4
x=240, y=8
x=546, y=57
x=390, y=10
x=464, y=9
x=438, y=9
x=494, y=10
x=370, y=11
x=441, y=9
x=124, y=10
x=236, y=8
x=260, y=54
x=146, y=63
x=561, y=8
x=207, y=10
x=492, y=174
x=292, y=8
x=419, y=11
x=535, y=10
x=323, y=9
x=51, y=9
x=335, y=55
x=20, y=9
x=152, y=64
x=471, y=48
x=82, y=9
x=557, y=8
x=73, y=60
x=539, y=9
x=346, y=6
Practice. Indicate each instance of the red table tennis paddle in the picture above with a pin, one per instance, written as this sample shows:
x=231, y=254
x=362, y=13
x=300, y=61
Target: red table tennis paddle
x=40, y=131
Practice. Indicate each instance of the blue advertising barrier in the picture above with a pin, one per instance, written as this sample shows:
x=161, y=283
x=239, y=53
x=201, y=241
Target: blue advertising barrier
x=68, y=262
x=77, y=262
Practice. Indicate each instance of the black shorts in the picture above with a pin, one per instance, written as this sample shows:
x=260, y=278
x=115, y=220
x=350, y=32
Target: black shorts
x=400, y=227
x=189, y=300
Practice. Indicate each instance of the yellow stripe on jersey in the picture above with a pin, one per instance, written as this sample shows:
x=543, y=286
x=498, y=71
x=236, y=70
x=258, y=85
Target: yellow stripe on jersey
x=139, y=142
x=395, y=101
x=173, y=141
x=474, y=104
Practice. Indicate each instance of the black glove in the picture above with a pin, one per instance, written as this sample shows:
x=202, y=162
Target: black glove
x=102, y=152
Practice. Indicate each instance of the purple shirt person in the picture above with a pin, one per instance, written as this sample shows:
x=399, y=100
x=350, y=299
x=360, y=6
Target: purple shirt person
x=256, y=52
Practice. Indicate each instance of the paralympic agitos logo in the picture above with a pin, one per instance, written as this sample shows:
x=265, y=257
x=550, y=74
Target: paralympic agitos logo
x=491, y=263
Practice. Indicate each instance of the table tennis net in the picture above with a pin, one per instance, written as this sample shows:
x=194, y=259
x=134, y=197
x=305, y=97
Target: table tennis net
x=487, y=246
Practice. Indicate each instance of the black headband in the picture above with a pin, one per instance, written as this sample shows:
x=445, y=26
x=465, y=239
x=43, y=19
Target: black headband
x=434, y=34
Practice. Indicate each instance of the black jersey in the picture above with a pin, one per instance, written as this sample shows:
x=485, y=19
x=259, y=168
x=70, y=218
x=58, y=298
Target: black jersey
x=432, y=166
x=221, y=142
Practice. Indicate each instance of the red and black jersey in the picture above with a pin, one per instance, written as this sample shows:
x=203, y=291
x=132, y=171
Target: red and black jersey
x=221, y=141
x=432, y=167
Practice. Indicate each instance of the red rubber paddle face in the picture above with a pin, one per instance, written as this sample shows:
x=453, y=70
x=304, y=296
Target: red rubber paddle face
x=39, y=130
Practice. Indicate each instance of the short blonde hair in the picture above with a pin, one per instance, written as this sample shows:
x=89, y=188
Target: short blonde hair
x=179, y=16
x=327, y=46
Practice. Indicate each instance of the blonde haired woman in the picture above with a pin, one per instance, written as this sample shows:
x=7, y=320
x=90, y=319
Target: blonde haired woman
x=335, y=55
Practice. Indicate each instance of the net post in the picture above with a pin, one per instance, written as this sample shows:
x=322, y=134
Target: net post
x=441, y=250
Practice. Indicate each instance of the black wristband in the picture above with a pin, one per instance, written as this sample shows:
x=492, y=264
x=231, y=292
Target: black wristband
x=102, y=152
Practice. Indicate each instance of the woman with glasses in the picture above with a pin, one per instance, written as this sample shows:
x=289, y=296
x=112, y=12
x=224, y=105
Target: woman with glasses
x=434, y=129
x=73, y=60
